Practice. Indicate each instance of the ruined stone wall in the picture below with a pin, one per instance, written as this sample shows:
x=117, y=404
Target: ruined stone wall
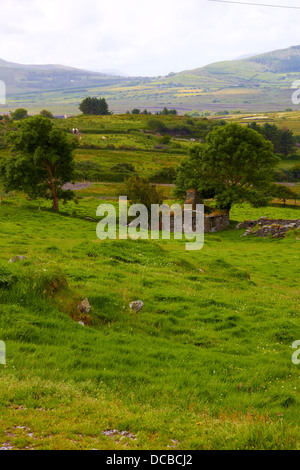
x=212, y=222
x=264, y=227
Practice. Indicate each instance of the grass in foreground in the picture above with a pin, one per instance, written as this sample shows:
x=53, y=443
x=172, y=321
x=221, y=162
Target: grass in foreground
x=205, y=365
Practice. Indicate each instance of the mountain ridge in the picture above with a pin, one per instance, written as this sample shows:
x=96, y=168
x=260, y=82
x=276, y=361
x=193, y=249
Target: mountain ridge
x=259, y=82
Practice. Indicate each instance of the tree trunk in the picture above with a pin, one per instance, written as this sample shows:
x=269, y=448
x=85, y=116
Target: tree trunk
x=53, y=189
x=55, y=203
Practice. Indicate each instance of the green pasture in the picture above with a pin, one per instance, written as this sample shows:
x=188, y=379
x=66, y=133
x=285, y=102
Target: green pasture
x=206, y=364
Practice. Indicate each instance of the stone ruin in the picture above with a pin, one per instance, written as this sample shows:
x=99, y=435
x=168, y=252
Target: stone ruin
x=265, y=227
x=214, y=221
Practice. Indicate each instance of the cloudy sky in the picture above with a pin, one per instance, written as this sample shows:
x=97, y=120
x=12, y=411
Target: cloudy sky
x=142, y=37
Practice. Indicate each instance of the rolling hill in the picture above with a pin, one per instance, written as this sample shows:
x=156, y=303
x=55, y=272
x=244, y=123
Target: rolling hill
x=253, y=84
x=20, y=78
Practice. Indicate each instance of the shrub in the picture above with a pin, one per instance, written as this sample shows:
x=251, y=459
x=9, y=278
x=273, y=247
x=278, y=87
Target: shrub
x=123, y=167
x=165, y=139
x=7, y=279
x=141, y=191
x=164, y=175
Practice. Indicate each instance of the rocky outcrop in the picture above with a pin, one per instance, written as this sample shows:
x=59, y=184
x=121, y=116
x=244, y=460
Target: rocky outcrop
x=264, y=227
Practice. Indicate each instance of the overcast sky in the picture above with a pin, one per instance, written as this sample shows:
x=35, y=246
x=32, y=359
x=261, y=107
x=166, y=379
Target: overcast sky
x=142, y=37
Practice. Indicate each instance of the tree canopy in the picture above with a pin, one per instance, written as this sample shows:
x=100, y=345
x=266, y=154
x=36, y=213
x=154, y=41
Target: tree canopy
x=19, y=113
x=234, y=164
x=41, y=162
x=47, y=114
x=95, y=106
x=283, y=140
x=141, y=191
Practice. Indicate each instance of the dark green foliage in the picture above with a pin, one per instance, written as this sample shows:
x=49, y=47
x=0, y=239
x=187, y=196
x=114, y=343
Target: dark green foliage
x=123, y=168
x=141, y=191
x=46, y=114
x=95, y=106
x=167, y=112
x=290, y=175
x=7, y=279
x=92, y=171
x=282, y=192
x=41, y=163
x=19, y=114
x=165, y=175
x=235, y=164
x=283, y=140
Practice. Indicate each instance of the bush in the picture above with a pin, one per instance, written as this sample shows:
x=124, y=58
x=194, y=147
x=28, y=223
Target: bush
x=7, y=279
x=94, y=106
x=19, y=113
x=123, y=167
x=165, y=139
x=165, y=175
x=46, y=114
x=141, y=191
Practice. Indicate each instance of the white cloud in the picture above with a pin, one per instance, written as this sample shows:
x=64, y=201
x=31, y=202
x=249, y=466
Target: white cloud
x=149, y=37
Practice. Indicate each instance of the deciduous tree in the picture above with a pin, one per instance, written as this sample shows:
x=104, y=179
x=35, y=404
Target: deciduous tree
x=41, y=163
x=235, y=164
x=95, y=106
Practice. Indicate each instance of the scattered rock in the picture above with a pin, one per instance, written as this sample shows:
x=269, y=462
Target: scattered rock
x=137, y=305
x=6, y=446
x=81, y=323
x=17, y=258
x=264, y=227
x=120, y=434
x=174, y=444
x=84, y=307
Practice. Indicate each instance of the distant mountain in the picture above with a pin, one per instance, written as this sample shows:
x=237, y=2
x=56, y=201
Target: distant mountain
x=267, y=68
x=20, y=78
x=261, y=82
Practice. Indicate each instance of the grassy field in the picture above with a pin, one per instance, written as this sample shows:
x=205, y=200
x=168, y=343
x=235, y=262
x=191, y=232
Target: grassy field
x=206, y=364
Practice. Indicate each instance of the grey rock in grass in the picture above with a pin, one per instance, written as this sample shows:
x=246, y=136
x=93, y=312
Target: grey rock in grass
x=137, y=305
x=84, y=307
x=17, y=258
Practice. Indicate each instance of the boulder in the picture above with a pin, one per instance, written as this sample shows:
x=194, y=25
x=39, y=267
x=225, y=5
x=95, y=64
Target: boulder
x=17, y=258
x=137, y=305
x=84, y=307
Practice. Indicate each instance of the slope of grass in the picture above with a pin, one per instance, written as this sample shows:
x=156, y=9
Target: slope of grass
x=206, y=364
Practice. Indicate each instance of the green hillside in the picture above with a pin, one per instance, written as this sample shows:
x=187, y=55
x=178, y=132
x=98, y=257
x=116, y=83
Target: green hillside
x=255, y=84
x=205, y=365
x=21, y=78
